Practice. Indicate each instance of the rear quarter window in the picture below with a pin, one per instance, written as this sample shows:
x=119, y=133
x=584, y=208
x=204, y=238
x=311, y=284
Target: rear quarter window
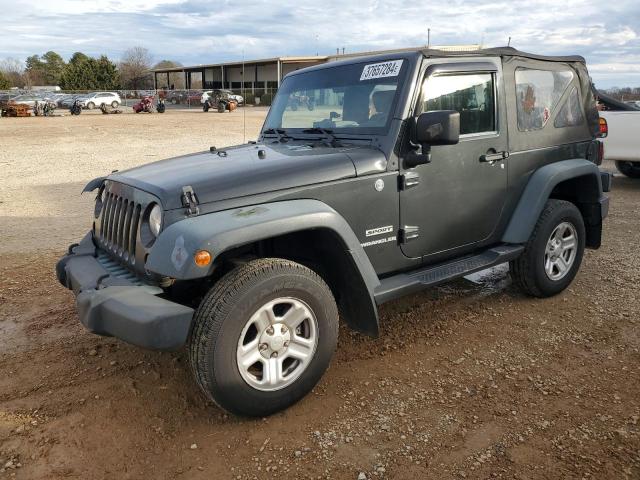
x=570, y=114
x=537, y=95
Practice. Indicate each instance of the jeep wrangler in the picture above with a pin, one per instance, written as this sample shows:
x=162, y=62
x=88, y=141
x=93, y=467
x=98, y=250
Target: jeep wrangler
x=412, y=169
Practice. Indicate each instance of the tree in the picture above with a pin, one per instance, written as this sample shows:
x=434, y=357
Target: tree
x=86, y=73
x=13, y=70
x=33, y=73
x=52, y=65
x=106, y=74
x=134, y=68
x=44, y=70
x=5, y=84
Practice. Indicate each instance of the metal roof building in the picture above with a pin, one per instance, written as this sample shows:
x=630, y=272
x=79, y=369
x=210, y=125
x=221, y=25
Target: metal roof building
x=264, y=73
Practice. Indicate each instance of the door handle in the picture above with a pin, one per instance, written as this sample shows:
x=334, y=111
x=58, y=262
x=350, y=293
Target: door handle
x=492, y=158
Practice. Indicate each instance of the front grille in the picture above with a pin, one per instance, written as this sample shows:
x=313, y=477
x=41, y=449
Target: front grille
x=118, y=227
x=119, y=224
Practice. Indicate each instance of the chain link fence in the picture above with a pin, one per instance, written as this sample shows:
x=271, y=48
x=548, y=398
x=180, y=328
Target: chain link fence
x=174, y=99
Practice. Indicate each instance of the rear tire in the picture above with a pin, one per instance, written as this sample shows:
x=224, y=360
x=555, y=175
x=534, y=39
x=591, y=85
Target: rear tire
x=281, y=318
x=114, y=104
x=630, y=169
x=553, y=254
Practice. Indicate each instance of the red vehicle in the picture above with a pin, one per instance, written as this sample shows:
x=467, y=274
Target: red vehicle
x=144, y=105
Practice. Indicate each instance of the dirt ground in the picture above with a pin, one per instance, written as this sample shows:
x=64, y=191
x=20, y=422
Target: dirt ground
x=469, y=380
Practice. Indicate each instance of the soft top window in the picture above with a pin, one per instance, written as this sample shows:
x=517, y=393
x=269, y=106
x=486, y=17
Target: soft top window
x=537, y=95
x=570, y=115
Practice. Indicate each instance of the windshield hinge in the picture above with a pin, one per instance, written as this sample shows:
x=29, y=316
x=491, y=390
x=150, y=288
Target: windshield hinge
x=189, y=200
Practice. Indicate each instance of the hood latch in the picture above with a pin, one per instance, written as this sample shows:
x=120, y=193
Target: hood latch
x=189, y=200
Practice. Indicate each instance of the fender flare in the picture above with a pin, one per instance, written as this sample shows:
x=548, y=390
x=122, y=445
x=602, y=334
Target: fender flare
x=537, y=192
x=218, y=232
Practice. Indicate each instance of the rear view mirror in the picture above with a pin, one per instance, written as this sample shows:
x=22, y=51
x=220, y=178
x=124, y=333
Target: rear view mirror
x=438, y=127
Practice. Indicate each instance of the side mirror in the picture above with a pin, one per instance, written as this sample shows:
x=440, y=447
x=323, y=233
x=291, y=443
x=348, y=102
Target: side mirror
x=439, y=127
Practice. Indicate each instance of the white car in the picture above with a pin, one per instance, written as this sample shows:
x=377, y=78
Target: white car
x=238, y=98
x=97, y=99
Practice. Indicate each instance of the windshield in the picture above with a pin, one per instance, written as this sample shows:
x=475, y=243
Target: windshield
x=355, y=98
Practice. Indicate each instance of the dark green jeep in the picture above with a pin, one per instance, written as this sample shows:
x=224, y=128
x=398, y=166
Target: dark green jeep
x=411, y=169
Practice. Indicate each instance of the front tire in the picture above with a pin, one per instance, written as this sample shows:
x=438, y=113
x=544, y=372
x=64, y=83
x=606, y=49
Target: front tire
x=553, y=254
x=630, y=169
x=91, y=105
x=263, y=336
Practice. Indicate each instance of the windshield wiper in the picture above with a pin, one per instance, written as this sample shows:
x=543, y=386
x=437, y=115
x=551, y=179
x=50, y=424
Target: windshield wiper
x=329, y=138
x=280, y=133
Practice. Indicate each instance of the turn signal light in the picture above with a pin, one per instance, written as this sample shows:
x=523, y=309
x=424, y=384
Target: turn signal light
x=202, y=258
x=604, y=128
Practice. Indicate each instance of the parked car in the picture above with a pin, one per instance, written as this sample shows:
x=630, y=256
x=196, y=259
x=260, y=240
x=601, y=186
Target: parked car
x=28, y=99
x=239, y=99
x=97, y=99
x=69, y=100
x=176, y=96
x=413, y=169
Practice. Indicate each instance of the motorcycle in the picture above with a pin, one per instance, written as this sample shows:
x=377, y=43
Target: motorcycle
x=160, y=107
x=144, y=105
x=75, y=108
x=43, y=109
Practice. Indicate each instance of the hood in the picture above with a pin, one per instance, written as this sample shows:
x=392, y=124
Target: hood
x=248, y=170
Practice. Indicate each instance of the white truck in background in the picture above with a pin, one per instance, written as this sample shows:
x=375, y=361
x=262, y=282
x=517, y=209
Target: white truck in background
x=622, y=144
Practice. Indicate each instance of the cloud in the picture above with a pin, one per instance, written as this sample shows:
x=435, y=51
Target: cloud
x=195, y=31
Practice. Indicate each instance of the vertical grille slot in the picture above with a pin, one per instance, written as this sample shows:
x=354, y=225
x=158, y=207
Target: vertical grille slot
x=104, y=222
x=134, y=232
x=116, y=224
x=124, y=204
x=111, y=220
x=127, y=231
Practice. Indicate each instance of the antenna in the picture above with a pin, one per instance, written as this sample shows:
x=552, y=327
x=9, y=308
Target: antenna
x=509, y=42
x=428, y=37
x=244, y=106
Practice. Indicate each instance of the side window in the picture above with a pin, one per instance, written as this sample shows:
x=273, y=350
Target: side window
x=537, y=95
x=470, y=94
x=570, y=114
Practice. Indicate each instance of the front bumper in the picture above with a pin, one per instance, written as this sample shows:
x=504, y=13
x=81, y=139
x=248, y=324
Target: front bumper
x=115, y=306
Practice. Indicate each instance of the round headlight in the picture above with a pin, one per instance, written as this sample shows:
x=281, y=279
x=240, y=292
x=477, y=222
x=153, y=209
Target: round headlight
x=155, y=220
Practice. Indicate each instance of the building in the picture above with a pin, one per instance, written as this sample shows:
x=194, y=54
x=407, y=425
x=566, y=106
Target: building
x=260, y=74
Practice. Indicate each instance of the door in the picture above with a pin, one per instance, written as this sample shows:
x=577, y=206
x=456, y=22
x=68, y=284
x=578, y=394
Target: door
x=454, y=203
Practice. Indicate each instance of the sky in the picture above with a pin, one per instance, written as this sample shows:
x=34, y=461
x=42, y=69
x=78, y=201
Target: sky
x=606, y=33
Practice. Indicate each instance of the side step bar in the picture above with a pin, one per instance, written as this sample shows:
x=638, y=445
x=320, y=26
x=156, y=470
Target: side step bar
x=404, y=283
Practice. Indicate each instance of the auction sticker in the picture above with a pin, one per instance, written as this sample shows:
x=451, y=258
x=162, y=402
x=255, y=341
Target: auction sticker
x=381, y=70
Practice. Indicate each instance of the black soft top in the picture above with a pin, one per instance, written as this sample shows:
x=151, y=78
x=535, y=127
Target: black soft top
x=500, y=52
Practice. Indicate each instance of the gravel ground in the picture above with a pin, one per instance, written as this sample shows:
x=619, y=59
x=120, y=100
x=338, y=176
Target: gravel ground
x=468, y=380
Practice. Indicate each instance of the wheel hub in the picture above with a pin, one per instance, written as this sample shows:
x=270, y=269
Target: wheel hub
x=274, y=341
x=277, y=344
x=561, y=251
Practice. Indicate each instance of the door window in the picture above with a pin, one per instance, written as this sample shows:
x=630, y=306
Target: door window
x=473, y=95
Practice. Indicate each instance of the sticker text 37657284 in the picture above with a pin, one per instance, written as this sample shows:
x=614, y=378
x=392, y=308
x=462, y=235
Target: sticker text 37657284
x=381, y=70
